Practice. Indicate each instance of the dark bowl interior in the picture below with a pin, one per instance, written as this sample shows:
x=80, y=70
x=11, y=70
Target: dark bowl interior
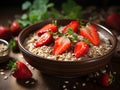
x=65, y=68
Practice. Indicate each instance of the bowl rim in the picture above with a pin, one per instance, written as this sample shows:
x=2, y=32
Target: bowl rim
x=79, y=61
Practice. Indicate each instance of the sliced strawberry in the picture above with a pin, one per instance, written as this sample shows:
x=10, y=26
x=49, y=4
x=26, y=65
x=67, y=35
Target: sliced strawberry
x=74, y=25
x=106, y=80
x=80, y=49
x=90, y=32
x=20, y=70
x=61, y=45
x=46, y=28
x=44, y=39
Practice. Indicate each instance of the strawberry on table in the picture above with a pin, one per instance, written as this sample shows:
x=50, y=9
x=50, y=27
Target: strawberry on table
x=46, y=28
x=61, y=45
x=74, y=25
x=80, y=49
x=44, y=39
x=20, y=70
x=106, y=79
x=90, y=32
x=15, y=28
x=5, y=32
x=113, y=20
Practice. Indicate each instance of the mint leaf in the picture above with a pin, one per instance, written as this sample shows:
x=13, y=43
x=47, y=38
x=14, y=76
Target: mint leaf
x=70, y=31
x=71, y=9
x=24, y=16
x=26, y=5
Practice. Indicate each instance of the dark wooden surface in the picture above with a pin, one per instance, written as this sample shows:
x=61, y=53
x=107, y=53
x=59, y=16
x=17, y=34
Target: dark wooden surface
x=47, y=82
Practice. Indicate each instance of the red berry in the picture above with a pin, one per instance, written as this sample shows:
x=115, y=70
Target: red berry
x=46, y=28
x=5, y=33
x=44, y=39
x=90, y=32
x=61, y=45
x=74, y=25
x=80, y=49
x=113, y=20
x=15, y=28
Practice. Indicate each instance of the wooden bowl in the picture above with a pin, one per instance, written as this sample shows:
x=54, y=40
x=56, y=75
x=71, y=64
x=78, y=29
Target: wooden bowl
x=65, y=68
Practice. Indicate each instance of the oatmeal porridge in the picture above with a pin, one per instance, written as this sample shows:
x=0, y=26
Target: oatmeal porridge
x=46, y=50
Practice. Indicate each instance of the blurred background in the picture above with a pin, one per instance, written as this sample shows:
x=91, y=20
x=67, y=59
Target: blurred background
x=101, y=3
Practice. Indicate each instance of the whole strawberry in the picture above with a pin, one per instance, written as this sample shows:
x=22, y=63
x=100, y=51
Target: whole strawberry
x=5, y=32
x=106, y=80
x=113, y=21
x=20, y=70
x=15, y=28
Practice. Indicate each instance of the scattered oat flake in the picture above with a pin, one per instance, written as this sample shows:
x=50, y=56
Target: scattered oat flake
x=64, y=86
x=66, y=82
x=2, y=73
x=83, y=84
x=33, y=68
x=5, y=77
x=27, y=82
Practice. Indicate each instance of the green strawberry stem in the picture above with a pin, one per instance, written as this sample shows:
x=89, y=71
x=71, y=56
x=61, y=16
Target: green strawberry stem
x=87, y=41
x=54, y=22
x=71, y=32
x=111, y=78
x=12, y=65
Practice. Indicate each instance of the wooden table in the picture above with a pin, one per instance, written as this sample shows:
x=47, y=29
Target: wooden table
x=48, y=82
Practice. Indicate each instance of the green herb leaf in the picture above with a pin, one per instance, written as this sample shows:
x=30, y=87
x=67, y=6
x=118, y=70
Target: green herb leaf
x=87, y=41
x=24, y=16
x=26, y=5
x=71, y=9
x=71, y=32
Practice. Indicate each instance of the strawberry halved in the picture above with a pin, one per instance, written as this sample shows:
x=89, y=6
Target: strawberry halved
x=90, y=32
x=46, y=28
x=74, y=25
x=44, y=39
x=80, y=49
x=61, y=45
